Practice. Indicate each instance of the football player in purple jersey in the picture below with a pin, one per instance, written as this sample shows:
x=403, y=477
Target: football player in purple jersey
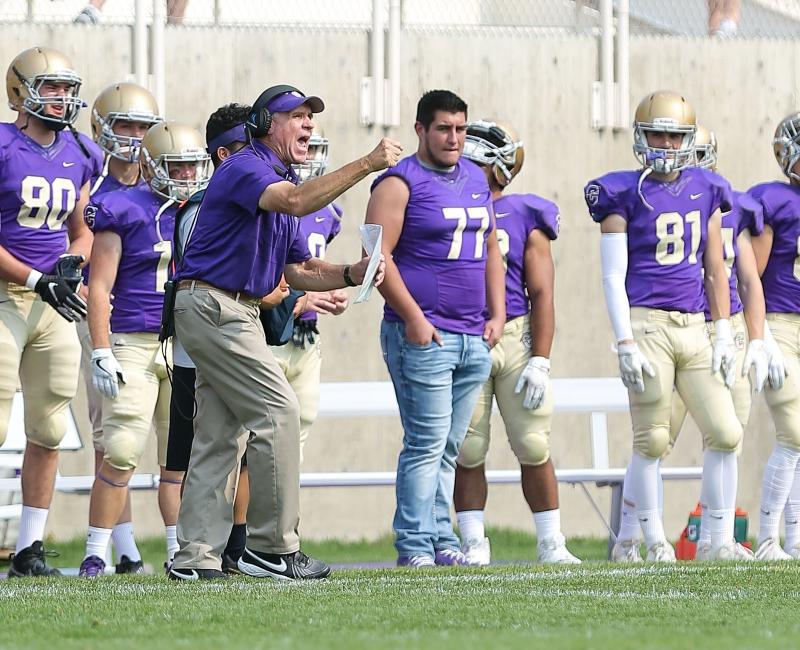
x=662, y=262
x=130, y=259
x=245, y=239
x=744, y=220
x=526, y=224
x=777, y=250
x=44, y=187
x=121, y=115
x=445, y=310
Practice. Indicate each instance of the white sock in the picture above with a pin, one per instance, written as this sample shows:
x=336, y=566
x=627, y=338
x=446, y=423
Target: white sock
x=719, y=477
x=97, y=540
x=172, y=541
x=791, y=513
x=705, y=526
x=125, y=542
x=779, y=475
x=470, y=525
x=548, y=523
x=660, y=490
x=628, y=522
x=31, y=526
x=108, y=558
x=644, y=486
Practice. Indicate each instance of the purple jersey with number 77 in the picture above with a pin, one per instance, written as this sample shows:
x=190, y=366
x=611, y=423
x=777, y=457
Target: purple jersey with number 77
x=667, y=225
x=441, y=252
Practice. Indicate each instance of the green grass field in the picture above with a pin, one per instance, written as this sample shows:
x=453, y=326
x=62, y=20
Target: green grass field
x=595, y=605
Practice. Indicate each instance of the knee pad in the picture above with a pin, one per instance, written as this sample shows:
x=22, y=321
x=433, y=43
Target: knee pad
x=725, y=437
x=532, y=448
x=48, y=429
x=653, y=443
x=123, y=449
x=473, y=450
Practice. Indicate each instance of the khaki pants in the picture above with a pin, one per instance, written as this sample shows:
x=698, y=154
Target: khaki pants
x=302, y=368
x=528, y=431
x=142, y=404
x=784, y=404
x=239, y=384
x=40, y=350
x=94, y=400
x=741, y=391
x=678, y=347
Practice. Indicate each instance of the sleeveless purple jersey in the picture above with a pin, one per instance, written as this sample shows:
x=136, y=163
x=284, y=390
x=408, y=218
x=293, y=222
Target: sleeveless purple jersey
x=146, y=229
x=667, y=238
x=441, y=253
x=517, y=216
x=781, y=278
x=39, y=187
x=318, y=229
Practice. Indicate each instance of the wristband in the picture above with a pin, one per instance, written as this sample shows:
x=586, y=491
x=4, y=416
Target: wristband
x=33, y=277
x=347, y=279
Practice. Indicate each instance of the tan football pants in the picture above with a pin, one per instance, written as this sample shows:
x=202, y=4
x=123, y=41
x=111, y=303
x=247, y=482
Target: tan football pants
x=784, y=404
x=740, y=392
x=302, y=367
x=528, y=431
x=239, y=384
x=679, y=348
x=40, y=350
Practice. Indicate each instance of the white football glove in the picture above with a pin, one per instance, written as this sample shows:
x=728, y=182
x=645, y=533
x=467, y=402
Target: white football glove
x=106, y=373
x=536, y=374
x=723, y=358
x=777, y=364
x=757, y=358
x=632, y=364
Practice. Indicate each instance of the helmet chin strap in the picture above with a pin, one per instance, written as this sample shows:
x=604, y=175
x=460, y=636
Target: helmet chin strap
x=645, y=173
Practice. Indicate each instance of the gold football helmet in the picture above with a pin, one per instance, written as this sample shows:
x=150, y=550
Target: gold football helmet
x=25, y=77
x=122, y=102
x=786, y=145
x=316, y=160
x=705, y=149
x=660, y=112
x=168, y=143
x=491, y=143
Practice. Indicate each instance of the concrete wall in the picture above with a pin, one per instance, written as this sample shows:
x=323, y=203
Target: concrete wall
x=542, y=87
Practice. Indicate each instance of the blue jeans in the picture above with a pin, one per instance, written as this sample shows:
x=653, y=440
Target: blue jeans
x=437, y=389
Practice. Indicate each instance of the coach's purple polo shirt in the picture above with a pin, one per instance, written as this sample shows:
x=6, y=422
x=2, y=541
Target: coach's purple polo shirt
x=235, y=245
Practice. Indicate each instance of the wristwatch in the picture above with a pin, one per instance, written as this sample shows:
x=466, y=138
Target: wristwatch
x=347, y=279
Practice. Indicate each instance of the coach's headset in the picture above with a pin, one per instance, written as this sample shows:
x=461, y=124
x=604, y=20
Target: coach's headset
x=260, y=118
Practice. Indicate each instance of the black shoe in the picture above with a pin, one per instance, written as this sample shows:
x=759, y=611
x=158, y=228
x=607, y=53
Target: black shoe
x=230, y=566
x=30, y=562
x=195, y=574
x=126, y=565
x=291, y=566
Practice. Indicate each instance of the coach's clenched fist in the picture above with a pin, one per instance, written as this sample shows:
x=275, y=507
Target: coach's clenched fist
x=386, y=154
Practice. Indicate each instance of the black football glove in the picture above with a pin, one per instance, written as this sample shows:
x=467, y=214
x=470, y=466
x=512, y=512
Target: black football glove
x=69, y=268
x=57, y=292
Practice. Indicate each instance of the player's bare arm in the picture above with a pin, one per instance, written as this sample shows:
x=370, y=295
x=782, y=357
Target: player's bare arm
x=495, y=291
x=762, y=246
x=540, y=280
x=749, y=286
x=80, y=237
x=316, y=275
x=316, y=193
x=106, y=254
x=716, y=278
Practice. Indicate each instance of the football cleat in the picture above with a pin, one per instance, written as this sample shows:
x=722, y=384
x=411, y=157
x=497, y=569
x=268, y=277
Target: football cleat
x=770, y=550
x=793, y=551
x=287, y=566
x=415, y=561
x=661, y=552
x=126, y=565
x=450, y=557
x=92, y=567
x=732, y=552
x=192, y=575
x=626, y=550
x=553, y=550
x=30, y=562
x=703, y=552
x=477, y=552
x=230, y=566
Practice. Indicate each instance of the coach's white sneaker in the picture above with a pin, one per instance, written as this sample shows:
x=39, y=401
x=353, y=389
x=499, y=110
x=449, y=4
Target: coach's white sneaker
x=553, y=550
x=661, y=552
x=477, y=551
x=703, y=552
x=732, y=552
x=626, y=550
x=793, y=551
x=770, y=550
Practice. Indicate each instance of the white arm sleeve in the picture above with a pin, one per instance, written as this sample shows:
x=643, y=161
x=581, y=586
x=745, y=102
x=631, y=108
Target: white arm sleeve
x=614, y=262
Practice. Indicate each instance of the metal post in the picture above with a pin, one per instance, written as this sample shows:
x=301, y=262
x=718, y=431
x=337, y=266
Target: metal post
x=623, y=65
x=376, y=61
x=157, y=56
x=140, y=43
x=607, y=61
x=392, y=117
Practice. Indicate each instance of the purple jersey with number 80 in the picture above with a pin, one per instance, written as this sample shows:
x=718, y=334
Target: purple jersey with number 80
x=441, y=252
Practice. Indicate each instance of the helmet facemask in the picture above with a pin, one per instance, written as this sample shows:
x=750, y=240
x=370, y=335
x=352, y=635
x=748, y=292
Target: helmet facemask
x=488, y=144
x=786, y=145
x=316, y=161
x=664, y=161
x=35, y=104
x=121, y=147
x=157, y=173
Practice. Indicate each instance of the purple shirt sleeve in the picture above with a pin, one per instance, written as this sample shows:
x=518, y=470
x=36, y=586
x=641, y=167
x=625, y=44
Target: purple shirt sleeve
x=604, y=197
x=298, y=248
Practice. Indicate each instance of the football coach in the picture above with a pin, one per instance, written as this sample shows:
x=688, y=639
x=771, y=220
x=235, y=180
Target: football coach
x=246, y=236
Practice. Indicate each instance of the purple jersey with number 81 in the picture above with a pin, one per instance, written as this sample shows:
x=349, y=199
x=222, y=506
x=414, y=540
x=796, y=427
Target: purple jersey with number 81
x=441, y=252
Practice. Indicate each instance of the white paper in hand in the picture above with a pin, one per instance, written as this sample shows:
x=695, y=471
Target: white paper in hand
x=371, y=237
